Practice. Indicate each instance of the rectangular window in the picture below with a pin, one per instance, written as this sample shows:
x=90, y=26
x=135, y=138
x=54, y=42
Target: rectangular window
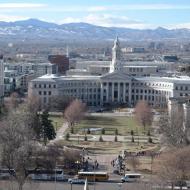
x=44, y=92
x=49, y=93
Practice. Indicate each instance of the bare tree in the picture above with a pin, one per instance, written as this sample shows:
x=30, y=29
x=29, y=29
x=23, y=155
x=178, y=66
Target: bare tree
x=74, y=112
x=173, y=166
x=60, y=103
x=32, y=107
x=133, y=161
x=17, y=145
x=13, y=101
x=173, y=130
x=143, y=113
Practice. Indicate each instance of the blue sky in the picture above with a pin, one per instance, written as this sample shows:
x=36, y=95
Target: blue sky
x=121, y=13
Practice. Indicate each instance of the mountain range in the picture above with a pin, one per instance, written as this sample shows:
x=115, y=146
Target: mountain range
x=37, y=29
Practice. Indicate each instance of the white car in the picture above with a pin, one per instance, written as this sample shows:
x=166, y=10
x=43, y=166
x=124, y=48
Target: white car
x=76, y=181
x=131, y=177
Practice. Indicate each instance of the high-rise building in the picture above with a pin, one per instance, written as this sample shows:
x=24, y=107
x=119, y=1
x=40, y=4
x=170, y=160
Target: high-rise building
x=62, y=61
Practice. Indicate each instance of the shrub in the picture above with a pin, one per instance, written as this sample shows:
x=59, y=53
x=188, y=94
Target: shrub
x=103, y=131
x=150, y=140
x=67, y=136
x=101, y=139
x=72, y=130
x=88, y=131
x=132, y=139
x=85, y=138
x=116, y=131
x=115, y=139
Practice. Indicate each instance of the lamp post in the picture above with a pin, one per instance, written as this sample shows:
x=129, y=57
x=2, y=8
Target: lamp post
x=77, y=162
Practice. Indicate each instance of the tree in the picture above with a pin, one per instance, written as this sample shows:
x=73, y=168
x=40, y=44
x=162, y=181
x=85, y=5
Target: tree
x=174, y=133
x=103, y=131
x=17, y=145
x=59, y=103
x=143, y=114
x=133, y=161
x=47, y=129
x=173, y=166
x=67, y=136
x=74, y=112
x=33, y=108
x=13, y=101
x=101, y=138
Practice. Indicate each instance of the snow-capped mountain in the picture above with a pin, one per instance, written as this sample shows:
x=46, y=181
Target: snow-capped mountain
x=37, y=29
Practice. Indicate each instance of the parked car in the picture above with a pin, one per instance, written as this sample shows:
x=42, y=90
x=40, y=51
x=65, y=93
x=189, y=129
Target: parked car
x=76, y=181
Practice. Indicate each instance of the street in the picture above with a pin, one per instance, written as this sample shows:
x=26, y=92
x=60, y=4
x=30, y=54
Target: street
x=34, y=185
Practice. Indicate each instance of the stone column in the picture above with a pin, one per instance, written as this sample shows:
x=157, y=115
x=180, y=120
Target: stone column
x=112, y=91
x=129, y=93
x=101, y=94
x=118, y=92
x=107, y=92
x=124, y=92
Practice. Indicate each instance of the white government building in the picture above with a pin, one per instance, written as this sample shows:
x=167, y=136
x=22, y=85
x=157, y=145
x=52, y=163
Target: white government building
x=117, y=87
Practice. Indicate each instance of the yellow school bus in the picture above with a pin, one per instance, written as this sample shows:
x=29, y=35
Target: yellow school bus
x=93, y=176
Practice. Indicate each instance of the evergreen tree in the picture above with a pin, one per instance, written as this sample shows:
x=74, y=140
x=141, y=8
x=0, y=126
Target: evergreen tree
x=48, y=132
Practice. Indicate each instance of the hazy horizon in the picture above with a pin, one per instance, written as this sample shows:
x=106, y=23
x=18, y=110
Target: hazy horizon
x=142, y=14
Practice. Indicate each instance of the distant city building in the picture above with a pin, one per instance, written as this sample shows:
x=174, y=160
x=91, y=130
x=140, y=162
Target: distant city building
x=1, y=78
x=118, y=86
x=41, y=69
x=133, y=50
x=170, y=58
x=17, y=75
x=62, y=62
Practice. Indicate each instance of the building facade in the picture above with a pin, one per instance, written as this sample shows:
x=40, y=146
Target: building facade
x=117, y=87
x=62, y=62
x=1, y=79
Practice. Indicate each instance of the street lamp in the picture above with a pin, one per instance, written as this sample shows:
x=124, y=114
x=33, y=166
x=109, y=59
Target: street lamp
x=77, y=162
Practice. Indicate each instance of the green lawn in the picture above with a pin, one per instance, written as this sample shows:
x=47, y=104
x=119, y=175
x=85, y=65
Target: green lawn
x=123, y=124
x=57, y=121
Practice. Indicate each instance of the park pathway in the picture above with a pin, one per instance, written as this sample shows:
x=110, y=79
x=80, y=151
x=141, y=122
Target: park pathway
x=60, y=132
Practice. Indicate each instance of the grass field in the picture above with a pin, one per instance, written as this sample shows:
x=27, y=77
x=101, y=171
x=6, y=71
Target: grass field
x=96, y=147
x=57, y=121
x=123, y=124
